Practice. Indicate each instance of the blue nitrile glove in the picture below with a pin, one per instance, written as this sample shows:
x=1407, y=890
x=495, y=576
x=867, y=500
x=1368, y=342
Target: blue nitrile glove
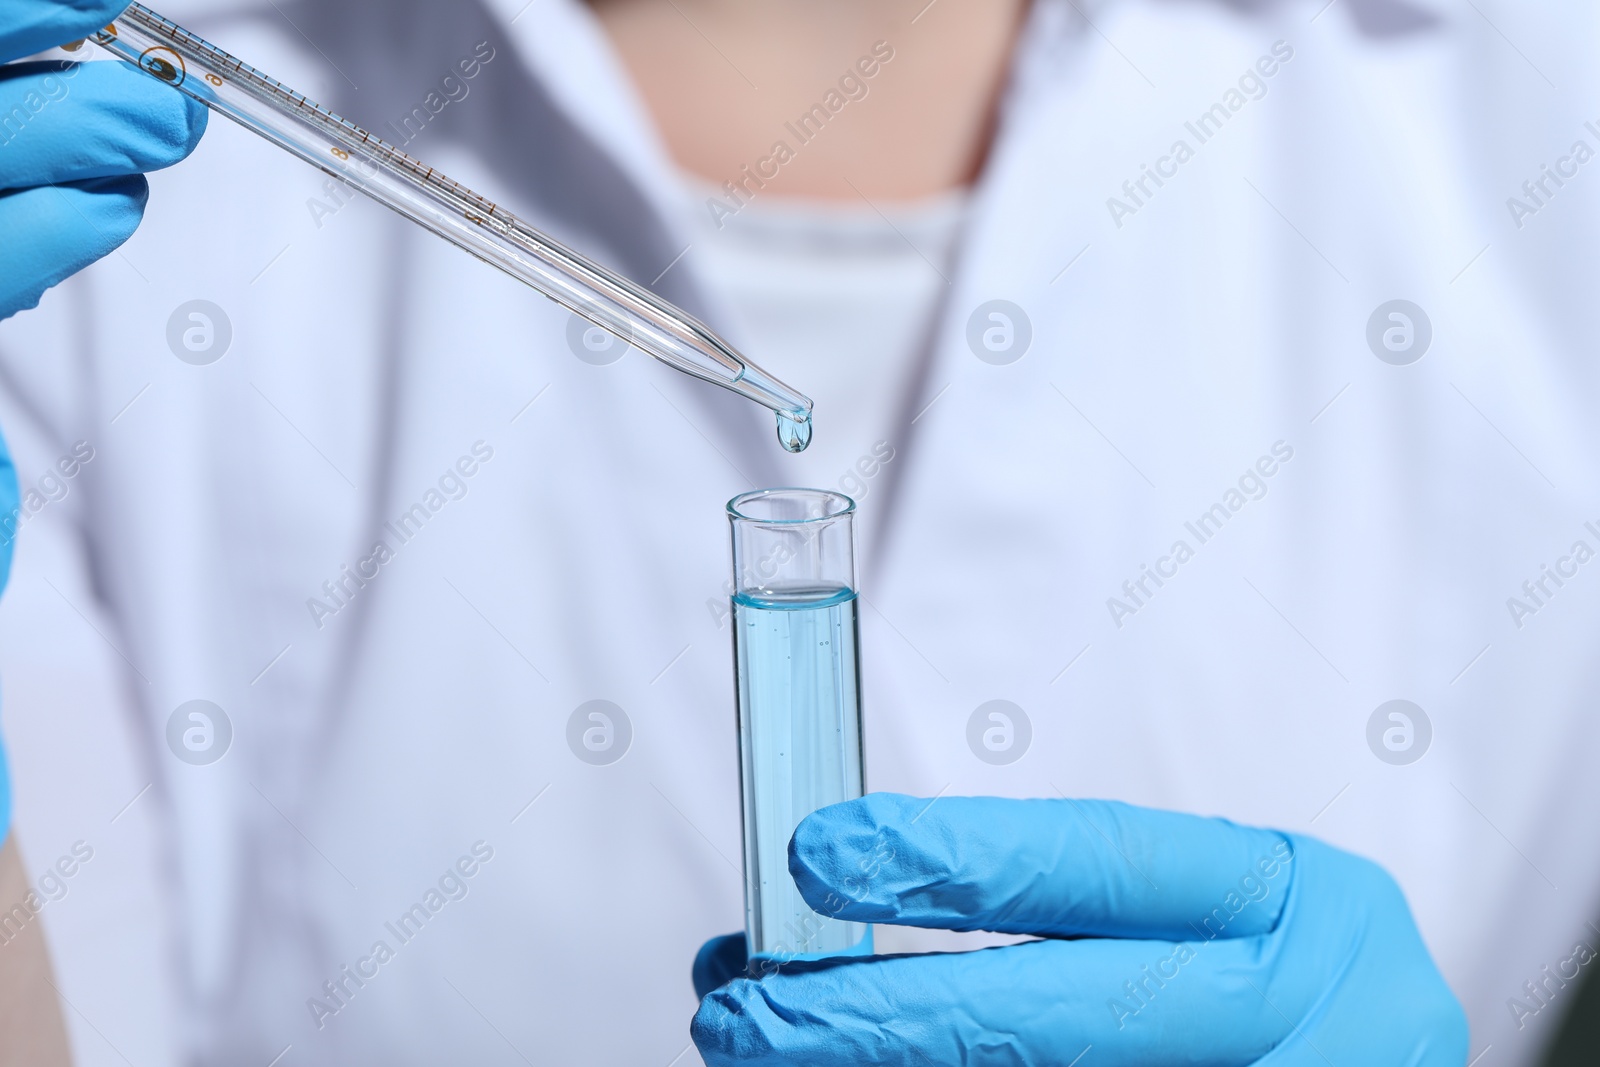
x=1170, y=939
x=74, y=141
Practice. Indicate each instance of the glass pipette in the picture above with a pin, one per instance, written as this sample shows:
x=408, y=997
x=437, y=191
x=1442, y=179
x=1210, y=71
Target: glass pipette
x=167, y=51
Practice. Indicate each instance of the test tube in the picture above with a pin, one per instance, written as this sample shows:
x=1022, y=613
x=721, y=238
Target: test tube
x=797, y=658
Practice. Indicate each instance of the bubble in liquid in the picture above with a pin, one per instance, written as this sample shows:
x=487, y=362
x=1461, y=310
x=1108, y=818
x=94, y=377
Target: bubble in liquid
x=792, y=434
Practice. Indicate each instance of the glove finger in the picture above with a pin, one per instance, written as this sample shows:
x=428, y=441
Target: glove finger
x=719, y=960
x=1045, y=867
x=75, y=121
x=29, y=26
x=1138, y=1003
x=1354, y=973
x=53, y=231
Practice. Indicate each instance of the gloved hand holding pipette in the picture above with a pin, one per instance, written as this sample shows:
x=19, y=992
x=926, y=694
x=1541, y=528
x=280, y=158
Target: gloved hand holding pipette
x=75, y=141
x=1167, y=939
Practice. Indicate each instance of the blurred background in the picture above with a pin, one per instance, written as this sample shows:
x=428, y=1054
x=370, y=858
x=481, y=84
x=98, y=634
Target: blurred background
x=1303, y=286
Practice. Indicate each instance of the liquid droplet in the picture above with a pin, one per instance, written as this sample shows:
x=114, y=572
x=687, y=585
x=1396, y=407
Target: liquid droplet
x=793, y=434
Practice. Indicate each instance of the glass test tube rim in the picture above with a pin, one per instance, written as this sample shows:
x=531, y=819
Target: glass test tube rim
x=831, y=495
x=837, y=508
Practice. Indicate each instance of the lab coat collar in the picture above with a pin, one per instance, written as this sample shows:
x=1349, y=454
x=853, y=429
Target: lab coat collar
x=565, y=47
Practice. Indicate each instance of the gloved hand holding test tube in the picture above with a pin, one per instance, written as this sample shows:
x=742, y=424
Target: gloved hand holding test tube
x=267, y=107
x=1160, y=935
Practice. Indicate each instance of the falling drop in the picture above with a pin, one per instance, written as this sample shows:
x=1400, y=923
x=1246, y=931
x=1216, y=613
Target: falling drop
x=793, y=434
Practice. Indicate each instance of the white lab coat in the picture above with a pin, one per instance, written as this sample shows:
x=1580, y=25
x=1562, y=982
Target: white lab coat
x=373, y=751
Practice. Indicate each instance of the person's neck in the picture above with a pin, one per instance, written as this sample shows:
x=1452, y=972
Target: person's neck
x=729, y=81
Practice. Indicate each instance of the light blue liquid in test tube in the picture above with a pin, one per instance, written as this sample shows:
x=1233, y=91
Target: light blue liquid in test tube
x=797, y=666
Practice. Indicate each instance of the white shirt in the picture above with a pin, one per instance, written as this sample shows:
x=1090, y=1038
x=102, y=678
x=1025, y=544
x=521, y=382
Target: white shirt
x=838, y=296
x=586, y=559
